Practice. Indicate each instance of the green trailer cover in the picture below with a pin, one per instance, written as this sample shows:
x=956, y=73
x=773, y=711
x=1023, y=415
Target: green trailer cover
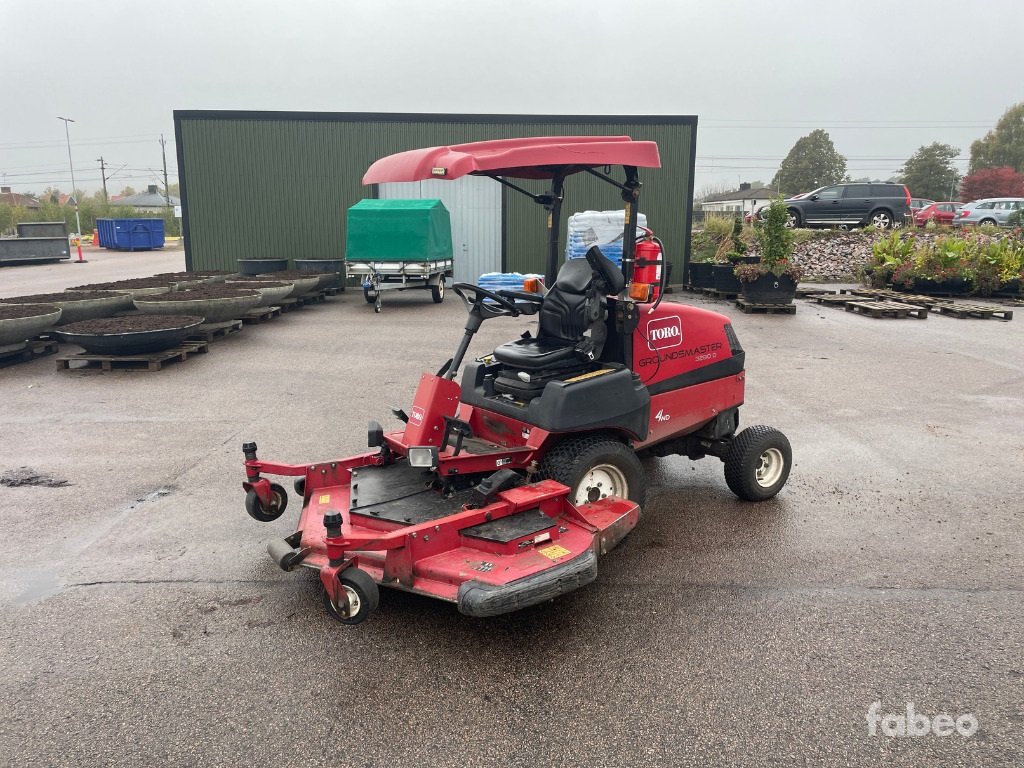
x=398, y=230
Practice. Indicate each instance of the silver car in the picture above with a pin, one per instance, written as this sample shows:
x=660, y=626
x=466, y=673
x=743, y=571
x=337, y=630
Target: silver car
x=991, y=210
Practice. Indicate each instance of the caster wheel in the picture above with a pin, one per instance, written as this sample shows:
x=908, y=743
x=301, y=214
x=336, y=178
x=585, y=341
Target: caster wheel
x=377, y=308
x=363, y=597
x=267, y=513
x=300, y=487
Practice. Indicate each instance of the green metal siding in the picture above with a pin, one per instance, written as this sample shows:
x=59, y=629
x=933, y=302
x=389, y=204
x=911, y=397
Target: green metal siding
x=262, y=185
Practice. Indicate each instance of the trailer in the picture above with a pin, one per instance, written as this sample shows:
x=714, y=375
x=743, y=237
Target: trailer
x=399, y=245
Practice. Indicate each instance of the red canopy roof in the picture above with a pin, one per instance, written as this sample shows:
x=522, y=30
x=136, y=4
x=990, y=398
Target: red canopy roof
x=532, y=158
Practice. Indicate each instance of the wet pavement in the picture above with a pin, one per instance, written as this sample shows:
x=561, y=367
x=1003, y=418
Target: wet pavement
x=141, y=622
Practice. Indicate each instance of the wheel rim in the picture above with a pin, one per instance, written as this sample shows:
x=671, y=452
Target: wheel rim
x=790, y=220
x=354, y=603
x=600, y=482
x=769, y=468
x=440, y=289
x=881, y=221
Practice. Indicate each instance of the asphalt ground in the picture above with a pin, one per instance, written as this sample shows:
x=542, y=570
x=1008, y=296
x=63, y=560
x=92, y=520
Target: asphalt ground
x=142, y=624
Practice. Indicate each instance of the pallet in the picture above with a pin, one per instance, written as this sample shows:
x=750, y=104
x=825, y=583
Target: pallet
x=213, y=331
x=27, y=350
x=714, y=293
x=749, y=307
x=886, y=294
x=887, y=309
x=152, y=361
x=260, y=315
x=809, y=292
x=837, y=300
x=985, y=311
x=287, y=305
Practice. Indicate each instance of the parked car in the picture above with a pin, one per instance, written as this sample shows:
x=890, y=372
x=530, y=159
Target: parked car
x=992, y=210
x=881, y=205
x=940, y=213
x=917, y=203
x=762, y=210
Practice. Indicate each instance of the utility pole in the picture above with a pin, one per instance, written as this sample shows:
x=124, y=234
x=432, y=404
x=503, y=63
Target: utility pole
x=74, y=194
x=167, y=189
x=103, y=175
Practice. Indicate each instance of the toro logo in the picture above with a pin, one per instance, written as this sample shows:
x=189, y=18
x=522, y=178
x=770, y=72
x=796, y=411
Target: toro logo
x=416, y=415
x=664, y=332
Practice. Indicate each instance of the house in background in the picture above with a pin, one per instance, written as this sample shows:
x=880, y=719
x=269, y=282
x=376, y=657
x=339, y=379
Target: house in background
x=152, y=200
x=16, y=199
x=743, y=201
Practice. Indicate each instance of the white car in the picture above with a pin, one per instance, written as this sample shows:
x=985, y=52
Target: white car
x=992, y=210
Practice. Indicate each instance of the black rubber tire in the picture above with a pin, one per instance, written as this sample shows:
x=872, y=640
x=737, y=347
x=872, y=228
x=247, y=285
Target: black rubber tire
x=744, y=459
x=300, y=487
x=571, y=460
x=371, y=298
x=437, y=292
x=256, y=509
x=366, y=590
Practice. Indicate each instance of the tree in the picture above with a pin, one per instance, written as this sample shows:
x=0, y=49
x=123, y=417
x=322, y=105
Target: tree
x=929, y=172
x=127, y=192
x=992, y=182
x=812, y=162
x=1002, y=146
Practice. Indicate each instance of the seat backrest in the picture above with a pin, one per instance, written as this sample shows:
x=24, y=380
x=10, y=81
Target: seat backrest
x=572, y=304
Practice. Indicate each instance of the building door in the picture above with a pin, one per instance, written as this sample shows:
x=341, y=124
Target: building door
x=474, y=205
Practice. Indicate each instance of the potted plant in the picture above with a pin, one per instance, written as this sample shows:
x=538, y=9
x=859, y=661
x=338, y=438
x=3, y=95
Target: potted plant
x=773, y=279
x=731, y=252
x=888, y=255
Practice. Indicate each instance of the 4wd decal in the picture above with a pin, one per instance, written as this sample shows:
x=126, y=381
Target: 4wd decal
x=664, y=332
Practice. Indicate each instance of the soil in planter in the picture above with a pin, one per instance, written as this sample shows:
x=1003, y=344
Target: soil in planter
x=137, y=282
x=13, y=312
x=43, y=298
x=200, y=292
x=259, y=283
x=107, y=326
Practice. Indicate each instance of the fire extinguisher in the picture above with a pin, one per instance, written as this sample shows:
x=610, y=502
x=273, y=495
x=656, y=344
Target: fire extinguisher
x=650, y=263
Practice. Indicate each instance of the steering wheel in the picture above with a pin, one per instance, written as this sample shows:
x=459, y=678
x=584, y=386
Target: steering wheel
x=476, y=301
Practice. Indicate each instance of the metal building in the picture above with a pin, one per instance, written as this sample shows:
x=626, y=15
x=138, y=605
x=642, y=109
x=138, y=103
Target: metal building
x=278, y=184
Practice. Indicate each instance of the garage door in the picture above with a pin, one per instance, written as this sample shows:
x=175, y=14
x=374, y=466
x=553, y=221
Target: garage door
x=474, y=204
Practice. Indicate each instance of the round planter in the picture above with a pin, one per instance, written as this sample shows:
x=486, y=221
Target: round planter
x=701, y=275
x=261, y=266
x=271, y=293
x=78, y=305
x=129, y=335
x=18, y=324
x=954, y=286
x=136, y=287
x=303, y=283
x=1010, y=288
x=769, y=289
x=330, y=270
x=212, y=309
x=723, y=279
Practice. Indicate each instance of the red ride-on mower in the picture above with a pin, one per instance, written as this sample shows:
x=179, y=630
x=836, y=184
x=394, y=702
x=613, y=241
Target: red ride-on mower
x=503, y=492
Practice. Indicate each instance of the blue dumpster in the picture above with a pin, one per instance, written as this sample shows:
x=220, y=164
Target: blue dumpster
x=131, y=234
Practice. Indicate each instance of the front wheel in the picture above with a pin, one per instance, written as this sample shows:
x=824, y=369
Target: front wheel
x=757, y=463
x=267, y=513
x=362, y=593
x=437, y=291
x=595, y=468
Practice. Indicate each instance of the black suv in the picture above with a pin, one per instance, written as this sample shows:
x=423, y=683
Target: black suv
x=881, y=205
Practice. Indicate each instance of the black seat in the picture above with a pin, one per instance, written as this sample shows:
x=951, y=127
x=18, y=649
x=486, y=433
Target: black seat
x=571, y=328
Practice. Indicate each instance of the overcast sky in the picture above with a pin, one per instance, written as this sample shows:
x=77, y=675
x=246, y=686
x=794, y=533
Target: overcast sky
x=883, y=78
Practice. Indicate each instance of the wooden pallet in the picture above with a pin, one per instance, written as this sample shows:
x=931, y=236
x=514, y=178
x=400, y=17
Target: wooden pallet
x=714, y=293
x=886, y=294
x=887, y=309
x=213, y=331
x=837, y=300
x=27, y=350
x=985, y=311
x=260, y=315
x=807, y=292
x=749, y=307
x=152, y=361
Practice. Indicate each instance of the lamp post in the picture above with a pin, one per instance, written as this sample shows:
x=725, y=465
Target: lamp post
x=78, y=218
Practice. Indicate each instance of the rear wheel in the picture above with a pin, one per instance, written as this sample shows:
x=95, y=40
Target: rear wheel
x=362, y=593
x=595, y=468
x=758, y=462
x=983, y=222
x=437, y=291
x=881, y=220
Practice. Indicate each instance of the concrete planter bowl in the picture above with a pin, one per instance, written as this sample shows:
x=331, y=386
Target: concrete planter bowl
x=21, y=323
x=330, y=270
x=134, y=335
x=142, y=286
x=271, y=292
x=216, y=304
x=305, y=282
x=78, y=305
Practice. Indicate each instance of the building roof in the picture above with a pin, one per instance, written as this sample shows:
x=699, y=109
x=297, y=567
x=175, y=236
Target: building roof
x=17, y=199
x=151, y=198
x=761, y=193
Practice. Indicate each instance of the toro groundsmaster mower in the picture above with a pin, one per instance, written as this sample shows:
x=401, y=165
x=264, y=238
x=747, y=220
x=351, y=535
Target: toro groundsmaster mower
x=503, y=492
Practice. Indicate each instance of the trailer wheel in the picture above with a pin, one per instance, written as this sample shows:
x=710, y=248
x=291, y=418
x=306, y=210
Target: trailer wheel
x=437, y=291
x=594, y=468
x=757, y=463
x=370, y=297
x=363, y=597
x=267, y=513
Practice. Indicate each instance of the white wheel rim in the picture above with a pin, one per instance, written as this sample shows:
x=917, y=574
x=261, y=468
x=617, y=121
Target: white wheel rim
x=600, y=482
x=881, y=221
x=769, y=468
x=354, y=603
x=440, y=288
